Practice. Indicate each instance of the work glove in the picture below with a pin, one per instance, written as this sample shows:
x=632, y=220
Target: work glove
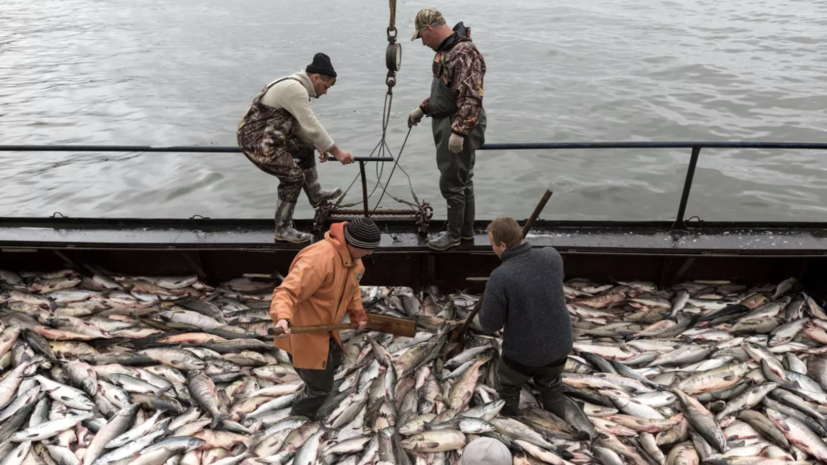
x=415, y=117
x=455, y=143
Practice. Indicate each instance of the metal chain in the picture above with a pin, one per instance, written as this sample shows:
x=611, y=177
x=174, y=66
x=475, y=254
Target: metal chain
x=382, y=146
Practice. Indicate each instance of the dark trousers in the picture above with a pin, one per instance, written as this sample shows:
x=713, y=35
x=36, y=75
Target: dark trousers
x=511, y=376
x=291, y=177
x=284, y=157
x=456, y=173
x=317, y=383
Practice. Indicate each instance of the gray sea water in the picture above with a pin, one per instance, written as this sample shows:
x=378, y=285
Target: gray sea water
x=182, y=72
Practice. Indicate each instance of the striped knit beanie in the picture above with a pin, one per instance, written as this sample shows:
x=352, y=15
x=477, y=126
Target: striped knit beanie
x=362, y=233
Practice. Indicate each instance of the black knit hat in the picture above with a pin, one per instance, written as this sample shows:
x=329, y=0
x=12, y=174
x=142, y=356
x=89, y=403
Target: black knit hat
x=321, y=65
x=362, y=233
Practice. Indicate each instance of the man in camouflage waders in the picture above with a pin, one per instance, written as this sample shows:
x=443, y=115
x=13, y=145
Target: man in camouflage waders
x=279, y=132
x=458, y=119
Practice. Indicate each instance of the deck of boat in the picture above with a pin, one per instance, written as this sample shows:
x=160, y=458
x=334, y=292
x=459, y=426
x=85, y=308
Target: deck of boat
x=216, y=248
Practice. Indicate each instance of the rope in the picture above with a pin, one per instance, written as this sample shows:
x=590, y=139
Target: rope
x=383, y=147
x=395, y=164
x=392, y=26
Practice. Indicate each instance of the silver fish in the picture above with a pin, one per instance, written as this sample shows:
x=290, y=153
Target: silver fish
x=49, y=429
x=799, y=434
x=116, y=426
x=70, y=396
x=134, y=433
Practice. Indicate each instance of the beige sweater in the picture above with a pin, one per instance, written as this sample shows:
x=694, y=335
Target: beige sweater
x=294, y=97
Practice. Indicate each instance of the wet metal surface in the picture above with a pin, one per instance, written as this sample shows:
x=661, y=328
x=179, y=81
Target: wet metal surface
x=568, y=237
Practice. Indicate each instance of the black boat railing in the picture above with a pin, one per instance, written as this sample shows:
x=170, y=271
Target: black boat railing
x=679, y=223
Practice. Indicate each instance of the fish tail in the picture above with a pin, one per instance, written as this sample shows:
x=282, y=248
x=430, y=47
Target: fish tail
x=218, y=419
x=160, y=391
x=256, y=425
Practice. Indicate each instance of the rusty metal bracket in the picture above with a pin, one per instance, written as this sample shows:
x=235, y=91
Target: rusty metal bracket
x=421, y=216
x=322, y=214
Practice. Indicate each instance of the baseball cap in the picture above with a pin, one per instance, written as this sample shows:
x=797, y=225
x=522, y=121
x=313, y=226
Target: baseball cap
x=426, y=17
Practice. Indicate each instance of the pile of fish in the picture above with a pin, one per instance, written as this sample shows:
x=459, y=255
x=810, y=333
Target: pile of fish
x=104, y=369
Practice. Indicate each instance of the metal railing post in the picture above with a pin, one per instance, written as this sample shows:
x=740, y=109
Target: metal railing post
x=687, y=185
x=364, y=186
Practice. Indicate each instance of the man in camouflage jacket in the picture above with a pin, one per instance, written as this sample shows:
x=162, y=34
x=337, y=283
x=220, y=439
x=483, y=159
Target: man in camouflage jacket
x=458, y=119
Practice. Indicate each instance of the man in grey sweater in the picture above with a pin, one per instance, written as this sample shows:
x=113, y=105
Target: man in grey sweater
x=279, y=133
x=525, y=294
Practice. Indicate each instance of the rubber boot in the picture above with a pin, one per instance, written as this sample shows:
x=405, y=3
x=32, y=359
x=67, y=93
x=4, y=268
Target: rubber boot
x=509, y=383
x=450, y=238
x=467, y=231
x=511, y=396
x=284, y=224
x=315, y=194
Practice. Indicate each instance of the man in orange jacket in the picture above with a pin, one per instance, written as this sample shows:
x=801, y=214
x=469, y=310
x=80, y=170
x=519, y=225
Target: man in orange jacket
x=322, y=284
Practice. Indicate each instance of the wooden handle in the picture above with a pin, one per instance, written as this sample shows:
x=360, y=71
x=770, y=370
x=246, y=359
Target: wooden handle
x=315, y=328
x=536, y=213
x=473, y=313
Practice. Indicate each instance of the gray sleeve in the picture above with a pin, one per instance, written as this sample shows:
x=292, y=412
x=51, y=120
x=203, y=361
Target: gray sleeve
x=494, y=311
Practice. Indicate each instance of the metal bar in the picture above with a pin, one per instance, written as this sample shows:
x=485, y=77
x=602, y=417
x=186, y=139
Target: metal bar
x=345, y=211
x=653, y=145
x=125, y=223
x=145, y=148
x=364, y=187
x=687, y=186
x=503, y=146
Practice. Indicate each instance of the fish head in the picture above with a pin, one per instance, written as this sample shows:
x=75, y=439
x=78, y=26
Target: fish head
x=195, y=443
x=778, y=419
x=32, y=366
x=497, y=404
x=194, y=364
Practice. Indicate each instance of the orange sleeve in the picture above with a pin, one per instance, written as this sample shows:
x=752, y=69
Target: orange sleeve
x=355, y=309
x=301, y=282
